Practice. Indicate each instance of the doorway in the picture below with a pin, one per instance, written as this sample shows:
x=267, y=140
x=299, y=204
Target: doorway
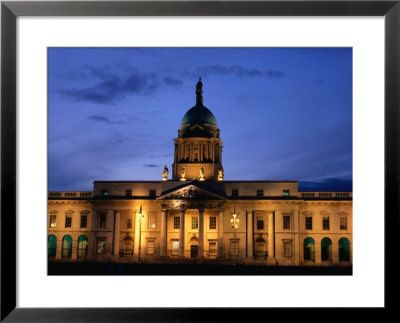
x=194, y=251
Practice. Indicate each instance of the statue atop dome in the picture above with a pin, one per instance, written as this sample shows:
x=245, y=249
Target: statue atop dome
x=199, y=92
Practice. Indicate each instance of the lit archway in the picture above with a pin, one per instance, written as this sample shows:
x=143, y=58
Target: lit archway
x=309, y=249
x=344, y=249
x=82, y=246
x=66, y=246
x=326, y=249
x=52, y=245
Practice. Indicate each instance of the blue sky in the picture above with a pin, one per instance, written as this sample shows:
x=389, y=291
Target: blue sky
x=284, y=113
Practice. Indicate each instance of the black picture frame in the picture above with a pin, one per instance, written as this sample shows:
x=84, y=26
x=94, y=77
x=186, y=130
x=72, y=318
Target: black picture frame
x=10, y=10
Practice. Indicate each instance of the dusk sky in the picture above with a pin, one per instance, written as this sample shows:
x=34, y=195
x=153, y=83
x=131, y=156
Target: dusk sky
x=284, y=113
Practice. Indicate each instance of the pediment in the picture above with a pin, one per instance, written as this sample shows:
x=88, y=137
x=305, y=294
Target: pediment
x=196, y=126
x=307, y=213
x=190, y=192
x=324, y=213
x=342, y=213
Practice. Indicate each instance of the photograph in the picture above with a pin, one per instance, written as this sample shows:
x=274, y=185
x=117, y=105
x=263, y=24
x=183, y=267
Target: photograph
x=200, y=160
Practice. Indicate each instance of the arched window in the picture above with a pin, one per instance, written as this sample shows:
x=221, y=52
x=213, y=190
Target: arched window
x=82, y=246
x=67, y=246
x=260, y=247
x=344, y=249
x=309, y=249
x=326, y=249
x=52, y=245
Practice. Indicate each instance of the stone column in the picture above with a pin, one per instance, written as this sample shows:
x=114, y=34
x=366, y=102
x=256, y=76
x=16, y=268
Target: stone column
x=163, y=234
x=201, y=233
x=182, y=234
x=136, y=219
x=74, y=254
x=220, y=233
x=94, y=216
x=317, y=252
x=116, y=233
x=296, y=242
x=59, y=248
x=335, y=253
x=250, y=234
x=271, y=239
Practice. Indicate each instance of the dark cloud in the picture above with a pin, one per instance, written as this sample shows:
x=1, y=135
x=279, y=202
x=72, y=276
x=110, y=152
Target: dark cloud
x=100, y=119
x=274, y=74
x=111, y=87
x=327, y=184
x=236, y=70
x=150, y=165
x=172, y=81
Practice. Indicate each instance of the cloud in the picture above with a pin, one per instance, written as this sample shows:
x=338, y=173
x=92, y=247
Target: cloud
x=110, y=88
x=172, y=81
x=236, y=70
x=150, y=165
x=275, y=74
x=327, y=184
x=99, y=119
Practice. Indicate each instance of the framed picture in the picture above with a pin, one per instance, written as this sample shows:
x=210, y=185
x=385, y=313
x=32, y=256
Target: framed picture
x=21, y=196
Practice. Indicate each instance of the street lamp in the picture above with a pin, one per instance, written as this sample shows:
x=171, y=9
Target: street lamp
x=235, y=224
x=140, y=230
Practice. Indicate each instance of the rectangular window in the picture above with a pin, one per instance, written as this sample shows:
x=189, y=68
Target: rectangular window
x=195, y=223
x=83, y=221
x=286, y=222
x=286, y=192
x=68, y=221
x=260, y=192
x=152, y=221
x=152, y=193
x=234, y=247
x=235, y=192
x=129, y=223
x=212, y=248
x=53, y=219
x=150, y=247
x=175, y=248
x=325, y=223
x=213, y=223
x=102, y=220
x=309, y=223
x=104, y=192
x=343, y=223
x=287, y=248
x=177, y=222
x=128, y=193
x=260, y=223
x=101, y=246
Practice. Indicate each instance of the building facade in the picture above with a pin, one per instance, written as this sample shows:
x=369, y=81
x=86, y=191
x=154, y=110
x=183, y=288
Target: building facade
x=197, y=216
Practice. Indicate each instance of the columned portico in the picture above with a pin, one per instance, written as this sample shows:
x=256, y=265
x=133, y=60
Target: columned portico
x=163, y=233
x=182, y=234
x=201, y=233
x=271, y=239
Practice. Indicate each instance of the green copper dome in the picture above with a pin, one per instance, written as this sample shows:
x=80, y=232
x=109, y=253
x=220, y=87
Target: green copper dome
x=199, y=114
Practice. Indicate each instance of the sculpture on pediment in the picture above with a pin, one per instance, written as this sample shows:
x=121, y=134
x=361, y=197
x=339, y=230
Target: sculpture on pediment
x=165, y=173
x=220, y=174
x=202, y=174
x=183, y=174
